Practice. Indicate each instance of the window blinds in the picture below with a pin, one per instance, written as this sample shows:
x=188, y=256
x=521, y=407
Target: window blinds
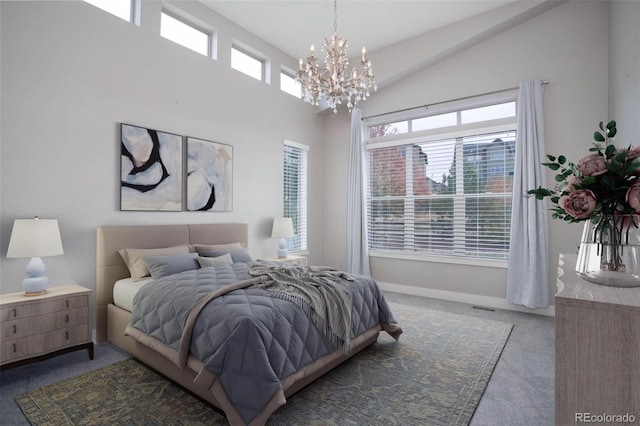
x=295, y=193
x=448, y=197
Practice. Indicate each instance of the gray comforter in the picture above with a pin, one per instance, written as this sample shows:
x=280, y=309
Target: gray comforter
x=248, y=341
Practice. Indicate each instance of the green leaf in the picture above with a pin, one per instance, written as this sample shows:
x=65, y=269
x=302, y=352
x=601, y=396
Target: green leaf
x=552, y=166
x=613, y=132
x=551, y=157
x=611, y=149
x=562, y=159
x=598, y=137
x=601, y=125
x=560, y=178
x=611, y=125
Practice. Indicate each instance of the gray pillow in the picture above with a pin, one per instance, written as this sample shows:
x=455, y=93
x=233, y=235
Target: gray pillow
x=237, y=255
x=207, y=262
x=161, y=266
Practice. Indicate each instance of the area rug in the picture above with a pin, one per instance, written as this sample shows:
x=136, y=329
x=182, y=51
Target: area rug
x=435, y=375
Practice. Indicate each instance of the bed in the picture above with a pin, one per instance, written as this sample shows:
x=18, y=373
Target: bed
x=190, y=372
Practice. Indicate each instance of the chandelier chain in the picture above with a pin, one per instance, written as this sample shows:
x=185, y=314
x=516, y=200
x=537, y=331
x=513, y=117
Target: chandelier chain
x=335, y=16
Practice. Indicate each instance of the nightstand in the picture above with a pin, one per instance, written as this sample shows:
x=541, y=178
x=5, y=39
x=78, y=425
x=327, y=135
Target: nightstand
x=37, y=327
x=299, y=260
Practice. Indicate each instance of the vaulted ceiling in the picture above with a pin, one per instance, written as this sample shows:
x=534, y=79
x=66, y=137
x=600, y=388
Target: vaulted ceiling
x=293, y=25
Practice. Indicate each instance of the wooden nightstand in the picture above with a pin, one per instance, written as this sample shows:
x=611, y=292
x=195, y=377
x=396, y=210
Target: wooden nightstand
x=37, y=327
x=300, y=260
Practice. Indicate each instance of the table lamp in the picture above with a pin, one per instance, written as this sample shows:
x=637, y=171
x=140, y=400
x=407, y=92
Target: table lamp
x=282, y=228
x=35, y=238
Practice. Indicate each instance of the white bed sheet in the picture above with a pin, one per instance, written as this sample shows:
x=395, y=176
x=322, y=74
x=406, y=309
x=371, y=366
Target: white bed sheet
x=125, y=289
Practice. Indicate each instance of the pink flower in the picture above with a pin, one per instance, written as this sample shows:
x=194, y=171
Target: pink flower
x=633, y=197
x=579, y=204
x=572, y=181
x=592, y=165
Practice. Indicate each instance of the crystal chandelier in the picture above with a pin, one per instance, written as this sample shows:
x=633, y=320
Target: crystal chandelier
x=334, y=81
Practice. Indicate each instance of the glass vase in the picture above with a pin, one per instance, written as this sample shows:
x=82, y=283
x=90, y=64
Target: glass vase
x=609, y=252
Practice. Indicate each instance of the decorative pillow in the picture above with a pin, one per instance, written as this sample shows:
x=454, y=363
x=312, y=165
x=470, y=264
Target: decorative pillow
x=133, y=258
x=208, y=262
x=202, y=248
x=161, y=266
x=237, y=255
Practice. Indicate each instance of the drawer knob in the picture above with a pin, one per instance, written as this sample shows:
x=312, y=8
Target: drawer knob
x=15, y=329
x=66, y=335
x=66, y=318
x=15, y=349
x=67, y=302
x=15, y=313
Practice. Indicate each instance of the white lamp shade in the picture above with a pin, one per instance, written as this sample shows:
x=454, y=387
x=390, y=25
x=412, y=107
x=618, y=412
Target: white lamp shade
x=282, y=228
x=35, y=238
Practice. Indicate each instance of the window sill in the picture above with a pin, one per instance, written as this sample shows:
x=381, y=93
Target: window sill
x=501, y=264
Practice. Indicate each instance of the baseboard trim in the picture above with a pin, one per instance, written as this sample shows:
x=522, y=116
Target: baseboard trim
x=471, y=299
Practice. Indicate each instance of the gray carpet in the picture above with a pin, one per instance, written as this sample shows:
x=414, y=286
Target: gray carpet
x=520, y=391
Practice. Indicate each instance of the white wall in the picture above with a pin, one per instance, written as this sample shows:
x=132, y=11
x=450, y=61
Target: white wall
x=70, y=73
x=624, y=69
x=568, y=46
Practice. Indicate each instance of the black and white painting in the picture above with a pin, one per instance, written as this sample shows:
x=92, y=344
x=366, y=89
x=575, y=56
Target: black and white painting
x=151, y=170
x=209, y=176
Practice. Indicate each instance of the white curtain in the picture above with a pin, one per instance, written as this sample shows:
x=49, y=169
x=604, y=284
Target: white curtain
x=528, y=273
x=357, y=244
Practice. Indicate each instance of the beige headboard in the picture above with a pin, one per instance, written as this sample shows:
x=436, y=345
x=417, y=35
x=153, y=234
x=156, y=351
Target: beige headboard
x=109, y=264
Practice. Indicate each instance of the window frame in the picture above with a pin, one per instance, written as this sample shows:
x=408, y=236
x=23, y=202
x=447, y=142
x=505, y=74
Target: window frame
x=134, y=11
x=456, y=132
x=300, y=221
x=208, y=32
x=291, y=75
x=253, y=54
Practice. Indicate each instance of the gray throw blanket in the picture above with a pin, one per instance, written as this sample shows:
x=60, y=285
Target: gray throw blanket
x=322, y=293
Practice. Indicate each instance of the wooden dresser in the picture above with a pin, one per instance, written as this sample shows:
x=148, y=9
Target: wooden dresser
x=597, y=344
x=34, y=327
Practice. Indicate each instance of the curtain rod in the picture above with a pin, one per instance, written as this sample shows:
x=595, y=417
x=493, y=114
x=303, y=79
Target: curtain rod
x=426, y=106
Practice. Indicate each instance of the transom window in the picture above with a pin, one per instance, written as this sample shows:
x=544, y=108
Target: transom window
x=120, y=8
x=184, y=33
x=441, y=185
x=247, y=63
x=289, y=85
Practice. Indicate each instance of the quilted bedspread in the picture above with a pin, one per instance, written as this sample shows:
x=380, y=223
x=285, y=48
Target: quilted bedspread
x=248, y=341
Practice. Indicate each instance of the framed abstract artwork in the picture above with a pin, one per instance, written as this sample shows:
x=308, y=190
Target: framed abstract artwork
x=209, y=176
x=151, y=169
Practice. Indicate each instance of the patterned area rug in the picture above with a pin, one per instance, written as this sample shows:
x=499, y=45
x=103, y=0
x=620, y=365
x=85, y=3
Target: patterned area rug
x=435, y=375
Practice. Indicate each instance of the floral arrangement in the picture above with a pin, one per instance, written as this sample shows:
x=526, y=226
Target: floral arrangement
x=603, y=187
x=603, y=183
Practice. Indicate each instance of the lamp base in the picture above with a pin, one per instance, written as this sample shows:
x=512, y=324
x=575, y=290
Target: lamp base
x=283, y=252
x=36, y=282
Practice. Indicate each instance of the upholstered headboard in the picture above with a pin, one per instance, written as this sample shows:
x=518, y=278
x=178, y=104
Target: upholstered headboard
x=109, y=264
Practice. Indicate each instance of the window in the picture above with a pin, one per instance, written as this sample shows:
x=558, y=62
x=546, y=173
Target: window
x=290, y=85
x=247, y=64
x=185, y=34
x=443, y=194
x=295, y=192
x=120, y=8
